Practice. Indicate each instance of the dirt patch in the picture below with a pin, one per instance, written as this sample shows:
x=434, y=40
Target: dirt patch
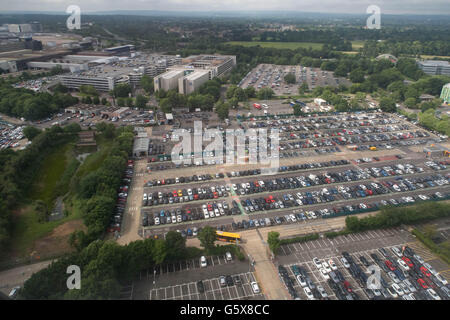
x=57, y=241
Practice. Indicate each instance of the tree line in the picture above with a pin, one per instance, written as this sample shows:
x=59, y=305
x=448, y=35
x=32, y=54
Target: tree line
x=97, y=190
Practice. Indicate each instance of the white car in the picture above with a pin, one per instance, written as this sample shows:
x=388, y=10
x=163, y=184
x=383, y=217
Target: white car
x=326, y=267
x=433, y=294
x=410, y=286
x=255, y=287
x=228, y=256
x=203, y=262
x=317, y=263
x=308, y=293
x=441, y=279
x=397, y=252
x=332, y=265
x=392, y=292
x=345, y=262
x=293, y=218
x=403, y=264
x=419, y=258
x=322, y=291
x=324, y=273
x=301, y=281
x=397, y=289
x=404, y=288
x=394, y=277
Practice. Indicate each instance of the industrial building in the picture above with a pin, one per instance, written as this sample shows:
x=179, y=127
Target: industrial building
x=435, y=67
x=193, y=72
x=445, y=93
x=141, y=142
x=105, y=72
x=191, y=82
x=168, y=80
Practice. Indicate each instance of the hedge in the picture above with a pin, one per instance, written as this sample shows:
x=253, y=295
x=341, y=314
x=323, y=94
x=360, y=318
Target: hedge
x=308, y=237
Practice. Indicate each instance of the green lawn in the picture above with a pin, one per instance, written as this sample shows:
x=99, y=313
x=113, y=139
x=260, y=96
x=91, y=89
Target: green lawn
x=277, y=45
x=357, y=44
x=289, y=45
x=49, y=174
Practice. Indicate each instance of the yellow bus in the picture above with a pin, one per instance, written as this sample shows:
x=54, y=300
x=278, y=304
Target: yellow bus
x=228, y=236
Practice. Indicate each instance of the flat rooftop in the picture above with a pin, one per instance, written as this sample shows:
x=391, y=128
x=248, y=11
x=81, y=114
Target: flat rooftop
x=196, y=74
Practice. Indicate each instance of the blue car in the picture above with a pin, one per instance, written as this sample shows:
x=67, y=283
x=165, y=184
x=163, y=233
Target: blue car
x=189, y=232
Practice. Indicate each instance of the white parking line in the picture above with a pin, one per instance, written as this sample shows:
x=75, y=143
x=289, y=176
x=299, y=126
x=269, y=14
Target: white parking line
x=306, y=243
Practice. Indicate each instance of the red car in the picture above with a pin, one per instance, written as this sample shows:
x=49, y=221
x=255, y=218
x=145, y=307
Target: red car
x=425, y=271
x=347, y=286
x=389, y=265
x=422, y=283
x=408, y=262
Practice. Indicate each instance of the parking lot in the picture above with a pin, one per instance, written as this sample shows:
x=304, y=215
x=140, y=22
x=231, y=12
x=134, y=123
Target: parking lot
x=307, y=194
x=212, y=290
x=272, y=76
x=367, y=245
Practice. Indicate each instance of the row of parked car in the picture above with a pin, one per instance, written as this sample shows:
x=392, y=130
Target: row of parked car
x=316, y=122
x=312, y=134
x=409, y=276
x=374, y=140
x=116, y=218
x=184, y=195
x=301, y=215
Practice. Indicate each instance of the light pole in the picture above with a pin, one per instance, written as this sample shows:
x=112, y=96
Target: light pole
x=154, y=276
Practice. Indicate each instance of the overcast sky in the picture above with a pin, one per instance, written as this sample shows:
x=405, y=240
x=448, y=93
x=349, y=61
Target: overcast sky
x=332, y=6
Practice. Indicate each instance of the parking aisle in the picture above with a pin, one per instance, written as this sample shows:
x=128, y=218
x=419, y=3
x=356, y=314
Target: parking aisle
x=212, y=290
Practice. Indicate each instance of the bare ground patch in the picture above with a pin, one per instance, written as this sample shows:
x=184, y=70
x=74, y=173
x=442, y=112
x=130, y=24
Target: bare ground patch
x=56, y=242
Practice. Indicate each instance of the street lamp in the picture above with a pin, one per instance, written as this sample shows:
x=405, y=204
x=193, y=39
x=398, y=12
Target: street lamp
x=154, y=275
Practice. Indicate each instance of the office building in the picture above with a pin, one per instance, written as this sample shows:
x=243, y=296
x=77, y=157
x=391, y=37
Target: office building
x=193, y=71
x=435, y=67
x=168, y=80
x=192, y=81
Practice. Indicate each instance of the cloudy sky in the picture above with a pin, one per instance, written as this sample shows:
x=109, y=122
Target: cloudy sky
x=333, y=6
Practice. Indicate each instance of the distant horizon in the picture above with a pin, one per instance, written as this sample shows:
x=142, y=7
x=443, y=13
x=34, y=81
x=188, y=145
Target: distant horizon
x=219, y=12
x=238, y=7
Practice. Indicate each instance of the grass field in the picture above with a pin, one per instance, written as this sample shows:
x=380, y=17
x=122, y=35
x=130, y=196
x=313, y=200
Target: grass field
x=357, y=44
x=291, y=45
x=49, y=174
x=277, y=45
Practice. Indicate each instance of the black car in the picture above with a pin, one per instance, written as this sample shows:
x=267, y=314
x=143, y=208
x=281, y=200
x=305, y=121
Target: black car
x=229, y=280
x=364, y=261
x=200, y=287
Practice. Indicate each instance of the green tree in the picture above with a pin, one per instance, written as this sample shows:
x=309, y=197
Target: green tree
x=357, y=75
x=273, y=239
x=387, y=104
x=290, y=78
x=141, y=101
x=222, y=110
x=122, y=90
x=176, y=245
x=410, y=103
x=207, y=237
x=31, y=132
x=147, y=84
